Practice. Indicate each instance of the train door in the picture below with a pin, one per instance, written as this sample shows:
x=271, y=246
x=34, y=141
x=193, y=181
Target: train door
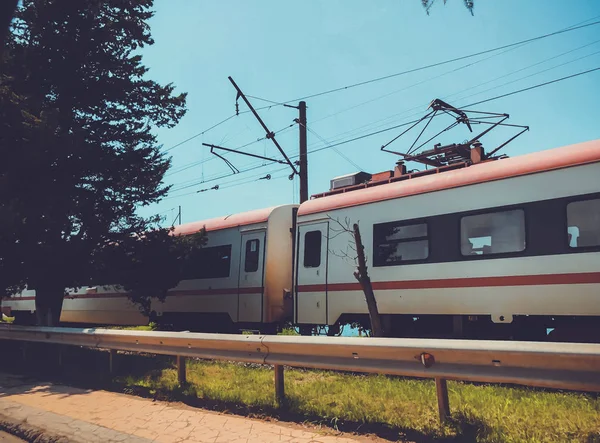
x=251, y=283
x=311, y=274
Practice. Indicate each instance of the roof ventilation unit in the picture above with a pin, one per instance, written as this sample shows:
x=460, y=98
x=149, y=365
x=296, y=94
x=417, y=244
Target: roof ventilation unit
x=344, y=181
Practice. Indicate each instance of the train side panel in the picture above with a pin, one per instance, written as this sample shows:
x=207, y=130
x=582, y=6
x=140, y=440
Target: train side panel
x=546, y=278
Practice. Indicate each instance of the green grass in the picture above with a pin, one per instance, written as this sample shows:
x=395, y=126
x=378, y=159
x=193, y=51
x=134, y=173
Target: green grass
x=482, y=413
x=149, y=327
x=5, y=319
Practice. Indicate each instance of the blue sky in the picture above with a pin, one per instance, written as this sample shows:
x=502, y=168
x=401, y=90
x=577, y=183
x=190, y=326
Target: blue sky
x=281, y=50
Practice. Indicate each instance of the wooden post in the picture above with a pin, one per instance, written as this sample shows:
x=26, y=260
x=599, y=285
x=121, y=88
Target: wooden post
x=112, y=361
x=181, y=372
x=279, y=386
x=441, y=388
x=363, y=278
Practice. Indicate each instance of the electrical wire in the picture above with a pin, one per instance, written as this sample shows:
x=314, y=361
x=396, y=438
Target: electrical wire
x=383, y=122
x=397, y=74
x=433, y=65
x=413, y=85
x=232, y=183
x=530, y=75
x=330, y=146
x=203, y=161
x=466, y=106
x=520, y=70
x=532, y=87
x=265, y=100
x=200, y=133
x=450, y=72
x=573, y=27
x=336, y=150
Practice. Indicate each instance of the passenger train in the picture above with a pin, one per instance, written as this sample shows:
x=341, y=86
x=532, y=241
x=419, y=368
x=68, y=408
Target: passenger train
x=482, y=249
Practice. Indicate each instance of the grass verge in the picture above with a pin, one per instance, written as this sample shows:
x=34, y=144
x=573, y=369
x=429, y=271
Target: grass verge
x=394, y=408
x=5, y=319
x=406, y=407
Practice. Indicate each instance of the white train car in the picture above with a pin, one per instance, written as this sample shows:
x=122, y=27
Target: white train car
x=242, y=278
x=496, y=249
x=502, y=248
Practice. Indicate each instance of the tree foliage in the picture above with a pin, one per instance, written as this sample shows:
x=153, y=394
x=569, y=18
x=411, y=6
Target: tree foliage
x=148, y=265
x=427, y=4
x=79, y=153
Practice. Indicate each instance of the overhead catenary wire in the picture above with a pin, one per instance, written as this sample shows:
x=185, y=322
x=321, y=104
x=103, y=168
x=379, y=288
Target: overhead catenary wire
x=234, y=183
x=532, y=87
x=579, y=25
x=200, y=133
x=531, y=75
x=206, y=160
x=343, y=142
x=433, y=65
x=466, y=106
x=451, y=72
x=397, y=74
x=337, y=151
x=382, y=122
x=522, y=69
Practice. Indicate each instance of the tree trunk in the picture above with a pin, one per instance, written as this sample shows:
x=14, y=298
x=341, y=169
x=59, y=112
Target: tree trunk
x=363, y=278
x=48, y=305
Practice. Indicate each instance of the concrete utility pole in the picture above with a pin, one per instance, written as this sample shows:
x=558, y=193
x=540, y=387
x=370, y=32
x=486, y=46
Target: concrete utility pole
x=303, y=153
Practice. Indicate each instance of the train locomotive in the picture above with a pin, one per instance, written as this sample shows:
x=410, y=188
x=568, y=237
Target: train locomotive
x=508, y=248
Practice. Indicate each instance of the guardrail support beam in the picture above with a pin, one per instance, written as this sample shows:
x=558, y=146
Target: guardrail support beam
x=181, y=370
x=112, y=361
x=441, y=388
x=279, y=386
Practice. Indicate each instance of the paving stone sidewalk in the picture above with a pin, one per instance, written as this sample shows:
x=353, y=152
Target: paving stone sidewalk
x=70, y=414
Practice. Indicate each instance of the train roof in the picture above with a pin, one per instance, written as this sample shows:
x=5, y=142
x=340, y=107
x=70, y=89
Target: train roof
x=228, y=221
x=557, y=158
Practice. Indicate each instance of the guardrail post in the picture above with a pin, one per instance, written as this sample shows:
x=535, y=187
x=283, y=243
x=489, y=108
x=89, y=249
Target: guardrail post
x=441, y=388
x=112, y=361
x=279, y=386
x=181, y=372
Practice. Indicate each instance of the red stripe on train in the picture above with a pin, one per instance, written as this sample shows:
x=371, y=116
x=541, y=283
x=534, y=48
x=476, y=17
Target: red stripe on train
x=474, y=282
x=221, y=291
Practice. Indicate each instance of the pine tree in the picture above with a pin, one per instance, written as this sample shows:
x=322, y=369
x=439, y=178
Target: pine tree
x=73, y=183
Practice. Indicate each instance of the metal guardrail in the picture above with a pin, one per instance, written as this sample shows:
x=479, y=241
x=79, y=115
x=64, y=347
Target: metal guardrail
x=572, y=366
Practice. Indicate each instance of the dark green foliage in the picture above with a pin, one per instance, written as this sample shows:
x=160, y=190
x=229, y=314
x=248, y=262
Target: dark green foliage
x=7, y=9
x=79, y=155
x=427, y=4
x=146, y=266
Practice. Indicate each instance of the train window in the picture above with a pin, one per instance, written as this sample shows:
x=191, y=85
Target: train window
x=397, y=242
x=493, y=233
x=583, y=223
x=252, y=255
x=312, y=249
x=208, y=262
